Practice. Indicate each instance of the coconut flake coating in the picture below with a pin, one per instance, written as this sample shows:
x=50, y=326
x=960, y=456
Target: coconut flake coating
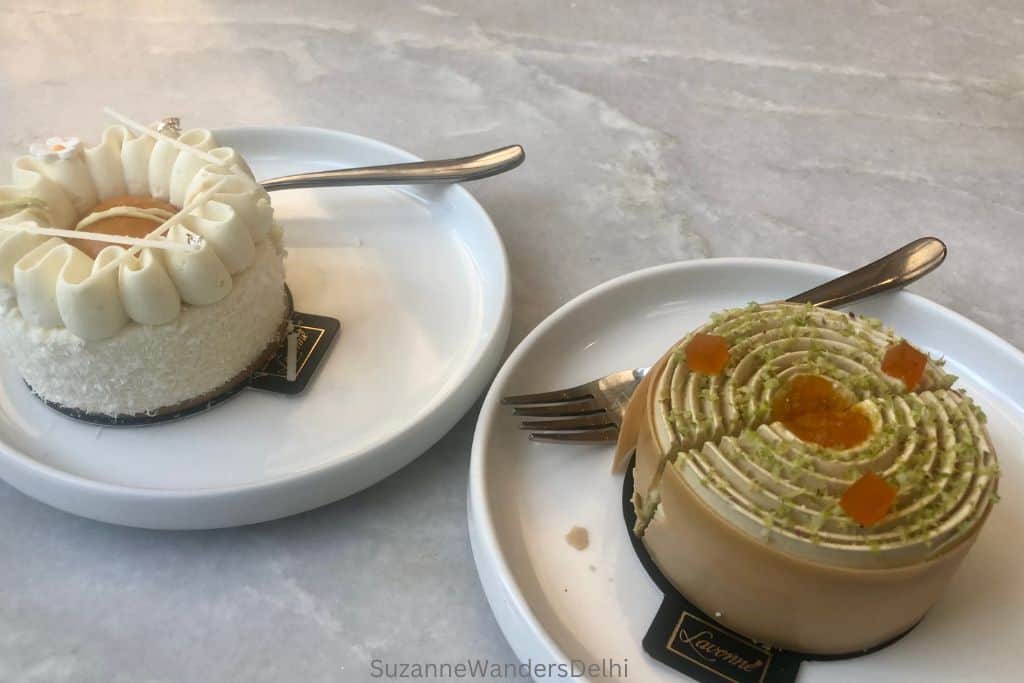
x=144, y=368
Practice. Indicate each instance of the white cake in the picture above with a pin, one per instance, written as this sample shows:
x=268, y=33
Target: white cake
x=833, y=528
x=122, y=331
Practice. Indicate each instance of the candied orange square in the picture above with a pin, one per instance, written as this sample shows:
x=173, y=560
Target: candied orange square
x=707, y=353
x=904, y=362
x=868, y=499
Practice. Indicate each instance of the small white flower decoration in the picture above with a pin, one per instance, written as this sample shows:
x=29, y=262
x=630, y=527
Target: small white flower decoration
x=55, y=149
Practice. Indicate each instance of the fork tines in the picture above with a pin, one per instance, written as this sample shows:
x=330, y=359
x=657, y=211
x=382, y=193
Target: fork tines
x=570, y=416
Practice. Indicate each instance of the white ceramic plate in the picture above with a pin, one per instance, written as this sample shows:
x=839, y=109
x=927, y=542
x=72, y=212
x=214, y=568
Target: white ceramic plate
x=423, y=305
x=556, y=604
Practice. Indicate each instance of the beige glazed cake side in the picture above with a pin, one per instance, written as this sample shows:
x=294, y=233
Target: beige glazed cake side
x=780, y=600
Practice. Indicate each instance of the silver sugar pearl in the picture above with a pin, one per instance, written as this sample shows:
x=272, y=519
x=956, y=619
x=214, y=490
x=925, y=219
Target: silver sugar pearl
x=170, y=126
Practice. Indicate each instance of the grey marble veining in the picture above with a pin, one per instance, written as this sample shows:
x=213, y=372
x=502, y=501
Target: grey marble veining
x=656, y=131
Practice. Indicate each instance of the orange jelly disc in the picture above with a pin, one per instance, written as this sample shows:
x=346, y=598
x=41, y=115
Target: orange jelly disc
x=707, y=353
x=811, y=408
x=904, y=362
x=128, y=226
x=833, y=429
x=807, y=394
x=868, y=499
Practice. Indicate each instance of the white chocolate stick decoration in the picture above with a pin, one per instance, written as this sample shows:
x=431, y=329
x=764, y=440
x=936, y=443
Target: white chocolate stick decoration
x=140, y=242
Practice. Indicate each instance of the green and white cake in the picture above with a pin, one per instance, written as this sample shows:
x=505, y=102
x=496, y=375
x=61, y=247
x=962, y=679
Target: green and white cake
x=807, y=475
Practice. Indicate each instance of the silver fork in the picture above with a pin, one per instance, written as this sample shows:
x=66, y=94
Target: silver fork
x=442, y=171
x=592, y=412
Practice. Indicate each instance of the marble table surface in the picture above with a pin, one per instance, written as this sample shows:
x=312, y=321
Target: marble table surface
x=657, y=131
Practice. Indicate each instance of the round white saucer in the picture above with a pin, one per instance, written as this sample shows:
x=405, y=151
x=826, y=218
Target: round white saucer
x=419, y=280
x=556, y=604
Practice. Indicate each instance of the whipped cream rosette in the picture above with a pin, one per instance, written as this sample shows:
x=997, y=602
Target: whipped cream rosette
x=123, y=330
x=817, y=484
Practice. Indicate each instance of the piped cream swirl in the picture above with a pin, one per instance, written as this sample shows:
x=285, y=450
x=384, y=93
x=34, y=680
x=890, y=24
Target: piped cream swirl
x=931, y=446
x=717, y=431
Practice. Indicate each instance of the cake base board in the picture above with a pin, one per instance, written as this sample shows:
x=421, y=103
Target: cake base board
x=676, y=634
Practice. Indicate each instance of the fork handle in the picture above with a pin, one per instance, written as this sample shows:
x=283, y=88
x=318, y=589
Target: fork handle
x=895, y=270
x=416, y=173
